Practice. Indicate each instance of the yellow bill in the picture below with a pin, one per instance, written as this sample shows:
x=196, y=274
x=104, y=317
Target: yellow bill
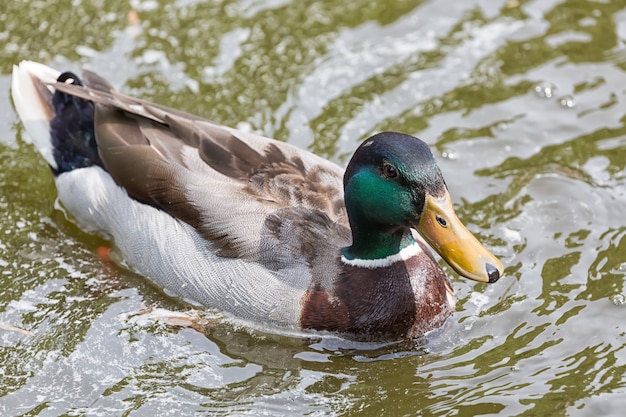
x=445, y=233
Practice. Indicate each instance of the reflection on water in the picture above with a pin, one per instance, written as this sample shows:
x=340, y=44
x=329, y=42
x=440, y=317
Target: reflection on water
x=522, y=100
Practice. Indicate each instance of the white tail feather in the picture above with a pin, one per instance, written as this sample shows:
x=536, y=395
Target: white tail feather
x=31, y=107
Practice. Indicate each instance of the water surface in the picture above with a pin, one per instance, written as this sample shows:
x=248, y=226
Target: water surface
x=523, y=104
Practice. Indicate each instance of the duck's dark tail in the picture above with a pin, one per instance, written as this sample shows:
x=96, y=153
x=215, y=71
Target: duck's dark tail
x=72, y=129
x=61, y=126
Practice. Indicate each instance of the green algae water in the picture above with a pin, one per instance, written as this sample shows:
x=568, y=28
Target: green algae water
x=523, y=104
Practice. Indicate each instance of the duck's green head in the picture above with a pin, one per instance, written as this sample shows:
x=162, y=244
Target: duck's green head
x=393, y=184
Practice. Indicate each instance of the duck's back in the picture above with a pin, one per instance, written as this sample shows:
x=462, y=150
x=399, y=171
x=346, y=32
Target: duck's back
x=227, y=219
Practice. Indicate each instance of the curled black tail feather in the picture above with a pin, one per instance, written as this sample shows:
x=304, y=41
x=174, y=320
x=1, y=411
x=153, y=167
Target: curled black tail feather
x=72, y=130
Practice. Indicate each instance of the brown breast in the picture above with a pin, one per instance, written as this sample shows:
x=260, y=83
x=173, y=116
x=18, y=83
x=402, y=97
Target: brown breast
x=403, y=300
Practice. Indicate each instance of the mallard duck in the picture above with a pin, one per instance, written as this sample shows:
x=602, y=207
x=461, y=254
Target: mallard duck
x=257, y=228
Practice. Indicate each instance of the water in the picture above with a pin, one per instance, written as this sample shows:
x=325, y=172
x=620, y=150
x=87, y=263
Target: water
x=523, y=103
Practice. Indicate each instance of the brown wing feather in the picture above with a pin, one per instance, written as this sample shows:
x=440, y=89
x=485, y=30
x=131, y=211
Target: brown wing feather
x=137, y=160
x=225, y=183
x=96, y=82
x=273, y=172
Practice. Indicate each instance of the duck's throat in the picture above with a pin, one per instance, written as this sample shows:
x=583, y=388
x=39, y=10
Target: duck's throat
x=374, y=244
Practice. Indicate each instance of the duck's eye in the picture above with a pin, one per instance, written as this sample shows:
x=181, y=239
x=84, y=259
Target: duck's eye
x=389, y=171
x=442, y=222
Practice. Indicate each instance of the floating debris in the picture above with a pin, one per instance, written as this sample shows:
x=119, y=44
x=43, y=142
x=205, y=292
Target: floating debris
x=618, y=299
x=9, y=327
x=193, y=319
x=545, y=90
x=567, y=101
x=501, y=126
x=449, y=154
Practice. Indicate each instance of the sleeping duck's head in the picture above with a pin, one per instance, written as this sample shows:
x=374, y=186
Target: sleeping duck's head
x=393, y=184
